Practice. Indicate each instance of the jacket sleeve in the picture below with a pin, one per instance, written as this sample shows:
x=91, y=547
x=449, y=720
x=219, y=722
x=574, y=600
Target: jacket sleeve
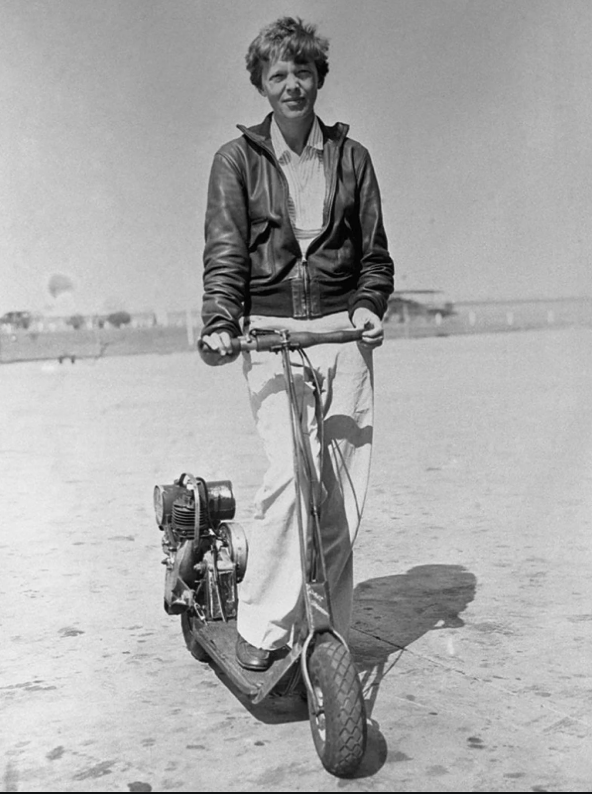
x=376, y=277
x=226, y=254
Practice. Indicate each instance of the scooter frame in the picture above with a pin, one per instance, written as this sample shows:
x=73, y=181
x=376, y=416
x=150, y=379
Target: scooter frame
x=217, y=639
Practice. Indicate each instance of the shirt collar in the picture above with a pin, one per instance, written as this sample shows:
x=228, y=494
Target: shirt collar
x=281, y=148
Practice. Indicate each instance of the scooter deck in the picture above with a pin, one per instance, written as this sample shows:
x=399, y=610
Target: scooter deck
x=218, y=639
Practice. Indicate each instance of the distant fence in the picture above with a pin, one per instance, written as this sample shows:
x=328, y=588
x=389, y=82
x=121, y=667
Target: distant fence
x=179, y=330
x=64, y=345
x=474, y=317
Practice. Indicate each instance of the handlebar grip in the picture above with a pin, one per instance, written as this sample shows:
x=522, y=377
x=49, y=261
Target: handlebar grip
x=275, y=340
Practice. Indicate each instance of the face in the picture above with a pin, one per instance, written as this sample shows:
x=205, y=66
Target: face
x=291, y=88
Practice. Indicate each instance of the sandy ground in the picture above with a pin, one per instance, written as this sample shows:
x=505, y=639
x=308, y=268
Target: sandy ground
x=474, y=557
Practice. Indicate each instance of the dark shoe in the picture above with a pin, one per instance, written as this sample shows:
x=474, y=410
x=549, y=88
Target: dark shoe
x=251, y=658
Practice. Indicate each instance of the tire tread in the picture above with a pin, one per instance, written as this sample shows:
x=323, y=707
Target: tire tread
x=332, y=667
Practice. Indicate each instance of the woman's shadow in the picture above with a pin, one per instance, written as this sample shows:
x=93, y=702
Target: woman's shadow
x=391, y=612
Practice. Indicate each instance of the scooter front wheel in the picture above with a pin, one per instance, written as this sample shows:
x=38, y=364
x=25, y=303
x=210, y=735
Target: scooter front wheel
x=338, y=718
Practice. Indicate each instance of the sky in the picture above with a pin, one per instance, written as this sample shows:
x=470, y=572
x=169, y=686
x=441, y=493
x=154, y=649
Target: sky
x=477, y=115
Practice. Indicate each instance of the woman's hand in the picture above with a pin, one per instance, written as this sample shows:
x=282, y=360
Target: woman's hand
x=373, y=335
x=216, y=349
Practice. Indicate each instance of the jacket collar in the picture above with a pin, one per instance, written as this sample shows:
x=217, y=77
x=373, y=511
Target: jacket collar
x=281, y=148
x=261, y=133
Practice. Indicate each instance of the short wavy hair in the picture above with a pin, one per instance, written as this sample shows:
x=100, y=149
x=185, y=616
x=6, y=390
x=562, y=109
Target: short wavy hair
x=287, y=39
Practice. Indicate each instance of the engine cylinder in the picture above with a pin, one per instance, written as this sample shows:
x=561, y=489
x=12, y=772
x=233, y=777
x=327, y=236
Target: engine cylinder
x=184, y=520
x=191, y=505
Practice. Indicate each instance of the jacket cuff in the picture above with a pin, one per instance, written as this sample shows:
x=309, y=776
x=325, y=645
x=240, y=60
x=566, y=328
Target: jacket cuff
x=230, y=328
x=364, y=303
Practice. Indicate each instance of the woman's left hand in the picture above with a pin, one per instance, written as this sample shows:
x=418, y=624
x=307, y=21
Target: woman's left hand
x=373, y=335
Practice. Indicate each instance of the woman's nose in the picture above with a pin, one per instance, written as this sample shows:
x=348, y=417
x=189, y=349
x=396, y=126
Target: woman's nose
x=291, y=82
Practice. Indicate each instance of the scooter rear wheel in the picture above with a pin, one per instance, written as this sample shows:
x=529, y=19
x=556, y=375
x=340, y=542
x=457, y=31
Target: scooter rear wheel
x=193, y=645
x=339, y=726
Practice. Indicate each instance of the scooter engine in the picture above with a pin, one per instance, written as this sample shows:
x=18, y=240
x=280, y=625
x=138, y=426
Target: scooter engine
x=191, y=505
x=205, y=551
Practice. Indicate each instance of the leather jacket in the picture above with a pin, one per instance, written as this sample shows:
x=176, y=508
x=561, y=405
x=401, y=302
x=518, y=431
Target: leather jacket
x=252, y=260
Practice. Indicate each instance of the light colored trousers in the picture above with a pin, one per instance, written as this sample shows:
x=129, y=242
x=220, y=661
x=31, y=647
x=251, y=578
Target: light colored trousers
x=270, y=596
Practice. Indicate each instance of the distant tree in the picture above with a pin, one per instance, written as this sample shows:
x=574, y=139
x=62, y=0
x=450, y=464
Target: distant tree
x=17, y=319
x=119, y=318
x=76, y=321
x=58, y=284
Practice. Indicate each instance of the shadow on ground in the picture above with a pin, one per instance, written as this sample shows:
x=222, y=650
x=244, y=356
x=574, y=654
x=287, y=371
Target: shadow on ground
x=391, y=612
x=274, y=709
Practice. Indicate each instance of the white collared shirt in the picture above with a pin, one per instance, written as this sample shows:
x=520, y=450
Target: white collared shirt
x=306, y=182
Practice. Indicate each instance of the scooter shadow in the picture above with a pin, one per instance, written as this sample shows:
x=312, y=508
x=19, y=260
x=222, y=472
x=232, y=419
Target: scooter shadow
x=273, y=710
x=390, y=613
x=293, y=708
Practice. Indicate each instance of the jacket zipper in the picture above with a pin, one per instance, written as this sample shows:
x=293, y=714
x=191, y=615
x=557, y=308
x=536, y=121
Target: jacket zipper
x=306, y=287
x=330, y=199
x=304, y=261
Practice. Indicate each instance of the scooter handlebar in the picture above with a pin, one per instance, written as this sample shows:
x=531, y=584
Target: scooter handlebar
x=276, y=340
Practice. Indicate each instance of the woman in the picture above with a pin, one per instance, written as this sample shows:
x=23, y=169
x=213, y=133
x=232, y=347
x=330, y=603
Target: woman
x=295, y=239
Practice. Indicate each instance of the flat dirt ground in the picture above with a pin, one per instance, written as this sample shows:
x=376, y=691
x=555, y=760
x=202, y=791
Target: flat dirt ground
x=473, y=622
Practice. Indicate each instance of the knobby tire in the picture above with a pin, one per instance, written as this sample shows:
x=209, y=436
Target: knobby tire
x=339, y=731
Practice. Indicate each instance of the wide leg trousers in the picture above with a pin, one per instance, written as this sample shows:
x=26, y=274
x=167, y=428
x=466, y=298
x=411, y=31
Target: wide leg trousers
x=270, y=595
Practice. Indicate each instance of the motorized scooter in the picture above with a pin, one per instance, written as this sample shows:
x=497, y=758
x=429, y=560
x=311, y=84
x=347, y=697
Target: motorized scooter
x=206, y=555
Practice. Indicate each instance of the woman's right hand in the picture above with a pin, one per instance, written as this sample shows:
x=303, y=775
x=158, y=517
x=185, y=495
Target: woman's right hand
x=216, y=349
